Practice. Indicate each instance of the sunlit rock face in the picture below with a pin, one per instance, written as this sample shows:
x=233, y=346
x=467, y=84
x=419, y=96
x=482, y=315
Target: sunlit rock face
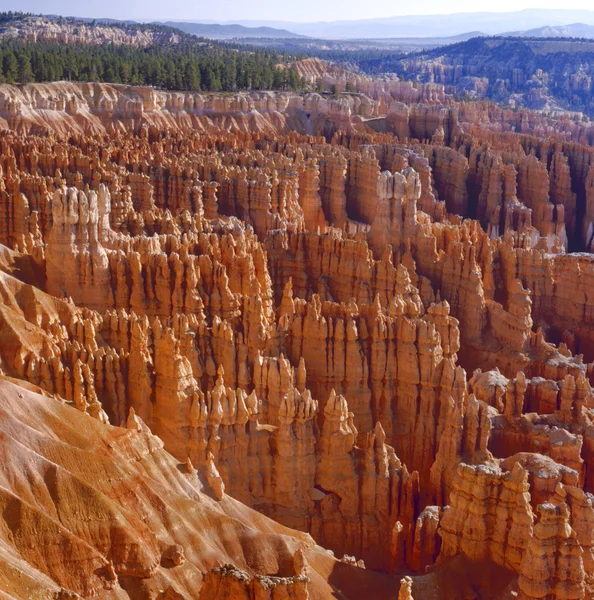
x=261, y=329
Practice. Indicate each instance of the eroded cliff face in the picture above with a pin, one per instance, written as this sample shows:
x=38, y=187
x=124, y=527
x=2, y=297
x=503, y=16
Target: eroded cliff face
x=73, y=31
x=542, y=74
x=96, y=108
x=94, y=511
x=378, y=339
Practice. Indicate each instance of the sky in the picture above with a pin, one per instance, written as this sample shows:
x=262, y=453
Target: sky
x=280, y=10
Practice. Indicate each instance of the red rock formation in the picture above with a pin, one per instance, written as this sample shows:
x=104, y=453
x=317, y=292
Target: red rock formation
x=113, y=514
x=553, y=565
x=489, y=517
x=294, y=315
x=230, y=582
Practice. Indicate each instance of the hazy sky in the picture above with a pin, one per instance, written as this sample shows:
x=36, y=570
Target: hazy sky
x=290, y=10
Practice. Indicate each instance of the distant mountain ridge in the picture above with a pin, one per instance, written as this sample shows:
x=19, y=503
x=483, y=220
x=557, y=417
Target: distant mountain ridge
x=575, y=30
x=218, y=31
x=490, y=23
x=406, y=32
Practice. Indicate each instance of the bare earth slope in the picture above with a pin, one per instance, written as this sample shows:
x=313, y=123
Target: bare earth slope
x=106, y=512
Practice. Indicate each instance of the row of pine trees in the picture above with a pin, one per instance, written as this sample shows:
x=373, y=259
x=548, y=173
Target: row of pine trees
x=199, y=66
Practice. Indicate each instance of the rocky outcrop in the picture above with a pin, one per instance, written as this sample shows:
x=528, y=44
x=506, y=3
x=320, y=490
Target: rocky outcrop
x=553, y=565
x=230, y=582
x=489, y=516
x=379, y=342
x=72, y=31
x=106, y=108
x=542, y=74
x=76, y=261
x=130, y=517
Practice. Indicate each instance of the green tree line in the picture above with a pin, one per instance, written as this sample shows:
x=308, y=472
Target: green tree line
x=200, y=65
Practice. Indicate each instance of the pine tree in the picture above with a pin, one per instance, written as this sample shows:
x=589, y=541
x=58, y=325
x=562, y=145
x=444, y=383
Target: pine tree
x=192, y=76
x=25, y=72
x=11, y=67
